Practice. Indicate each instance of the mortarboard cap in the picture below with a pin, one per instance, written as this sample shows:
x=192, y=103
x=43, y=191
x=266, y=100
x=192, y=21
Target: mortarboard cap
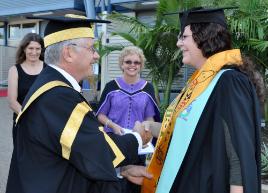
x=202, y=15
x=70, y=26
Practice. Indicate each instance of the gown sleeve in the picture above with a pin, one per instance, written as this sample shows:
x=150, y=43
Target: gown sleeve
x=73, y=133
x=240, y=112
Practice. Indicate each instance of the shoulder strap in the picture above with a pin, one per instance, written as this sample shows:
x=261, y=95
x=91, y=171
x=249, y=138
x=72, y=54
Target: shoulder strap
x=39, y=92
x=19, y=69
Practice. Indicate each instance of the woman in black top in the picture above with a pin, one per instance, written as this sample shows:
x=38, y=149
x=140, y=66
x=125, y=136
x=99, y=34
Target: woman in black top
x=21, y=76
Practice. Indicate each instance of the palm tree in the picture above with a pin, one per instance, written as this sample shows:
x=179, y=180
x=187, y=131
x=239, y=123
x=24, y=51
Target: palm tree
x=249, y=25
x=159, y=45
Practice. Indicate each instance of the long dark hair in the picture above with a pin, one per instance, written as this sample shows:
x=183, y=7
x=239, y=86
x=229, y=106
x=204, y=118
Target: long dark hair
x=20, y=54
x=212, y=38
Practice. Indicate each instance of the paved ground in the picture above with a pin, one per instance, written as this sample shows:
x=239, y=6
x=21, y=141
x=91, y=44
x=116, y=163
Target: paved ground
x=6, y=146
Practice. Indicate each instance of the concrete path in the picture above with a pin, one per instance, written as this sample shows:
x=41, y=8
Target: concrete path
x=6, y=146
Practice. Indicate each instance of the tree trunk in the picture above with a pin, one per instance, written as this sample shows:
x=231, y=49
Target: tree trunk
x=168, y=87
x=156, y=91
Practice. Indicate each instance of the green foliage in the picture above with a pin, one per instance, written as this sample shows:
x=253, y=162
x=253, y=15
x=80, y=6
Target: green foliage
x=249, y=26
x=104, y=50
x=264, y=161
x=260, y=45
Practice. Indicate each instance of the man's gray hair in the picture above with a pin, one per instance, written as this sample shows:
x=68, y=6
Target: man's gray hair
x=53, y=52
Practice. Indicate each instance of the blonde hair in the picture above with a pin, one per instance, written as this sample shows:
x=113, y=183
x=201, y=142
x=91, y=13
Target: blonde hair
x=130, y=50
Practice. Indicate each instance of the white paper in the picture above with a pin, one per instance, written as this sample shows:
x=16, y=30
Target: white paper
x=149, y=148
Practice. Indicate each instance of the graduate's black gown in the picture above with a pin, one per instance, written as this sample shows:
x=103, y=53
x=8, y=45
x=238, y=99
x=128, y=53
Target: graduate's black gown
x=39, y=166
x=205, y=168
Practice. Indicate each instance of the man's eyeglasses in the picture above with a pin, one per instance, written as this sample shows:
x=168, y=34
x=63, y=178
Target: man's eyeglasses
x=129, y=62
x=90, y=49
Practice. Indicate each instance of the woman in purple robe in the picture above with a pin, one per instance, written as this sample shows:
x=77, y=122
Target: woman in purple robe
x=128, y=99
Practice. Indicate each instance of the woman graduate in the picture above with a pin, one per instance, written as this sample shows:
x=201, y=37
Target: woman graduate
x=210, y=135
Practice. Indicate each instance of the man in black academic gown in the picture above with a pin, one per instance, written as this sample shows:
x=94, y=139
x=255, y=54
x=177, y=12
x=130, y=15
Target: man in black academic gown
x=61, y=147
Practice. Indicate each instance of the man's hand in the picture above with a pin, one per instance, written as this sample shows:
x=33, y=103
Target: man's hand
x=146, y=136
x=135, y=174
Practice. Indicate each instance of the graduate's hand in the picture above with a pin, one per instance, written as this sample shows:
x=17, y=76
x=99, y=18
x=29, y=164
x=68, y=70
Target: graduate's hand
x=135, y=174
x=146, y=136
x=153, y=127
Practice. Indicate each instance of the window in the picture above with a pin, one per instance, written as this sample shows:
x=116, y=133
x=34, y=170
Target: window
x=14, y=31
x=2, y=31
x=28, y=28
x=18, y=31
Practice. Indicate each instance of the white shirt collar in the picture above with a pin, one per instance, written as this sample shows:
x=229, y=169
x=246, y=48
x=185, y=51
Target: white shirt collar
x=71, y=79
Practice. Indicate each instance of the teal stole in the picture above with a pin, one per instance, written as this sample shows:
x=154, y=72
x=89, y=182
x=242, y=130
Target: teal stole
x=184, y=128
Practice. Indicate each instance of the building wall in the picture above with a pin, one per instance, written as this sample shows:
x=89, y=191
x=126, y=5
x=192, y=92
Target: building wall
x=14, y=14
x=7, y=59
x=29, y=6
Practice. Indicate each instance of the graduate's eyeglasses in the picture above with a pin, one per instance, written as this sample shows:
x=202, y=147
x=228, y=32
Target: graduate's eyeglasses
x=129, y=62
x=182, y=37
x=90, y=49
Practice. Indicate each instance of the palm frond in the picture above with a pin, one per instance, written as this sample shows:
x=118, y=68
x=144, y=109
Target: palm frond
x=128, y=36
x=260, y=45
x=107, y=49
x=135, y=25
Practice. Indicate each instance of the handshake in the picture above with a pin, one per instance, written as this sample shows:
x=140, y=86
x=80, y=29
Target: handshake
x=147, y=130
x=136, y=173
x=145, y=133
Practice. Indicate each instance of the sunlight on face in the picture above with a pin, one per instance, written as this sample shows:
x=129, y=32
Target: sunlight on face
x=192, y=55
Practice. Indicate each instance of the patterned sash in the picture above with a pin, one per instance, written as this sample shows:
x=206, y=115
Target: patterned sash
x=195, y=86
x=181, y=137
